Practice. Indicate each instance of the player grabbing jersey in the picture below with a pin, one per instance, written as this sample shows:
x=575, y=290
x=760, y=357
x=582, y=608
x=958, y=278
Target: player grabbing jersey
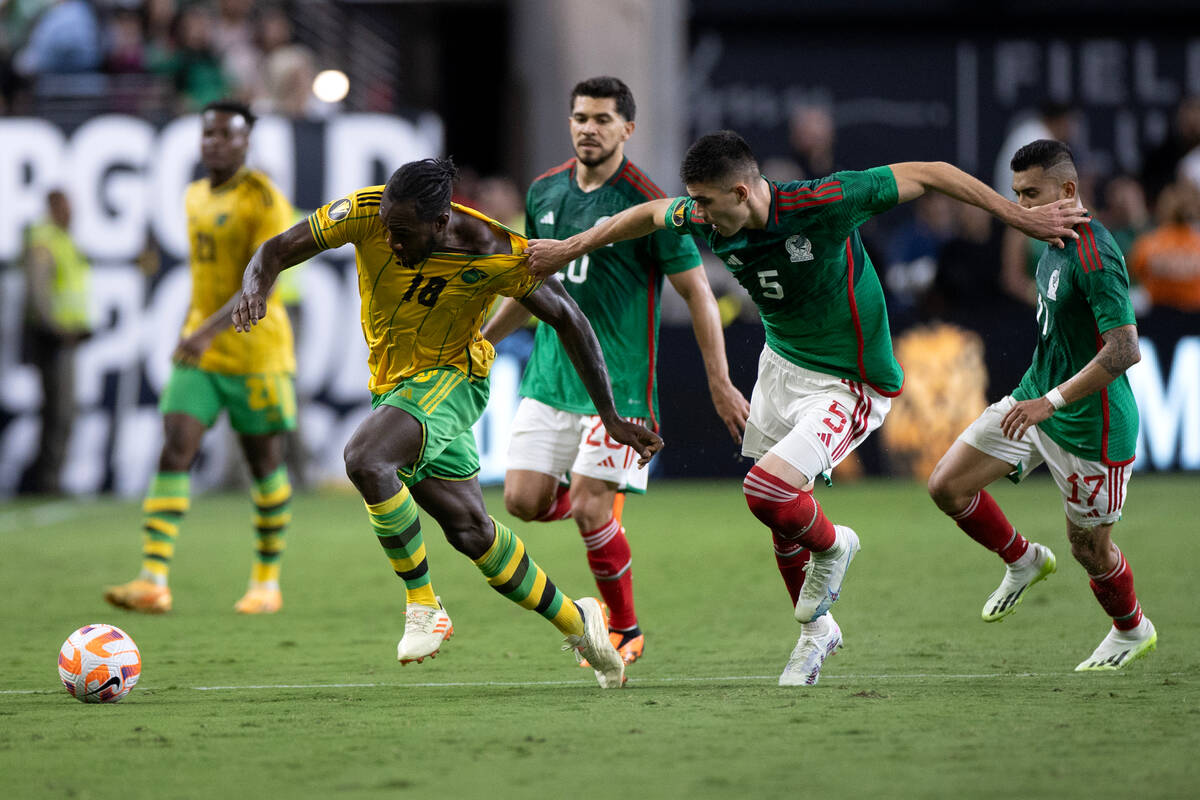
x=827, y=374
x=1073, y=410
x=428, y=271
x=556, y=430
x=229, y=214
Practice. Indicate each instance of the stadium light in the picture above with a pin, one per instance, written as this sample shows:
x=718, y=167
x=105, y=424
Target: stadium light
x=331, y=85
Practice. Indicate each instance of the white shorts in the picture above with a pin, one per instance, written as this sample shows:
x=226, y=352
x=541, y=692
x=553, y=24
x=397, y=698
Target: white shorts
x=810, y=419
x=551, y=441
x=1093, y=492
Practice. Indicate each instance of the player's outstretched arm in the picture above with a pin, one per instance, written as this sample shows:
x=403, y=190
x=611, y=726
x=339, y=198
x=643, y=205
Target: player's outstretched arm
x=292, y=247
x=1053, y=222
x=508, y=317
x=548, y=256
x=731, y=405
x=1119, y=353
x=551, y=304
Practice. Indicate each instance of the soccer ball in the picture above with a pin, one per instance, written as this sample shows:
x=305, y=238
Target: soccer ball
x=99, y=664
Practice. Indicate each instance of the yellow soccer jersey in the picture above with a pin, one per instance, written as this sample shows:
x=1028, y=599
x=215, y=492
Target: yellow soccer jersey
x=225, y=226
x=428, y=316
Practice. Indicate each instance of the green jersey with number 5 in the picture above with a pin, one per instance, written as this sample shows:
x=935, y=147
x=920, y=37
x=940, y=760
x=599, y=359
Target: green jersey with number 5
x=1083, y=291
x=816, y=290
x=618, y=288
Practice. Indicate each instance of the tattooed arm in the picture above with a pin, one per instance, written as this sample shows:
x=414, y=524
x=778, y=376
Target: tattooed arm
x=1119, y=353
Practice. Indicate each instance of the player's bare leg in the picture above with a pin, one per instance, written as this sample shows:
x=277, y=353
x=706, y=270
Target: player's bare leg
x=531, y=496
x=1132, y=635
x=957, y=488
x=165, y=504
x=272, y=496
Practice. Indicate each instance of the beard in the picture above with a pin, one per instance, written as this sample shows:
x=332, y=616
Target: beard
x=593, y=161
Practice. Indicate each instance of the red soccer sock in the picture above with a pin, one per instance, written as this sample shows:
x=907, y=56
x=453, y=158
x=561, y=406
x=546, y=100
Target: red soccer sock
x=560, y=507
x=788, y=511
x=610, y=559
x=1114, y=592
x=790, y=558
x=984, y=522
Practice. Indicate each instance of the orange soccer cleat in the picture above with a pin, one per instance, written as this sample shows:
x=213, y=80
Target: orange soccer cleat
x=140, y=595
x=259, y=600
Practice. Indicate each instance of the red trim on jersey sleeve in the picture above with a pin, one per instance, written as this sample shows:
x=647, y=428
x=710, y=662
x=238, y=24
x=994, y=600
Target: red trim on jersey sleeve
x=862, y=369
x=824, y=193
x=570, y=162
x=1089, y=256
x=1104, y=411
x=646, y=187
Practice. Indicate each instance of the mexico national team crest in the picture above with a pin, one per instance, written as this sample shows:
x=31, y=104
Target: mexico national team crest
x=1052, y=287
x=340, y=209
x=799, y=248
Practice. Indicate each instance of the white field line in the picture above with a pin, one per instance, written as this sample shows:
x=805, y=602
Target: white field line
x=829, y=679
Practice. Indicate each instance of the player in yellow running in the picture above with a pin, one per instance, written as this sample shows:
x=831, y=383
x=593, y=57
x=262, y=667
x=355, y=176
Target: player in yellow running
x=428, y=271
x=230, y=213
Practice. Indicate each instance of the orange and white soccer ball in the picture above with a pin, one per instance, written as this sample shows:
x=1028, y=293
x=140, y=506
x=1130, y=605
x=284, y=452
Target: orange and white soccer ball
x=99, y=664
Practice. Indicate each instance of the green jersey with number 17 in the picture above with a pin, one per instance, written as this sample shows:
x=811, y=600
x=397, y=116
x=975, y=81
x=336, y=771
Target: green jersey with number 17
x=817, y=292
x=617, y=287
x=1083, y=291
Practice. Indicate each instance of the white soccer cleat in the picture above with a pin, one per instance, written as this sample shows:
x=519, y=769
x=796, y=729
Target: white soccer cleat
x=595, y=647
x=825, y=572
x=1011, y=591
x=1121, y=647
x=425, y=629
x=818, y=640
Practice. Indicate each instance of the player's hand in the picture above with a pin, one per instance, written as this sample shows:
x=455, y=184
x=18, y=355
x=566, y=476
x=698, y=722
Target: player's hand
x=1024, y=415
x=191, y=348
x=732, y=407
x=1054, y=222
x=546, y=257
x=645, y=441
x=250, y=308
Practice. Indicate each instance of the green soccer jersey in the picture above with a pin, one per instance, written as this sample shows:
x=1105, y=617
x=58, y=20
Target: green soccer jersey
x=617, y=287
x=1083, y=291
x=817, y=292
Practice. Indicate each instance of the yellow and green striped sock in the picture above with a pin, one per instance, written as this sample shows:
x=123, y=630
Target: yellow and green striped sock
x=164, y=507
x=272, y=512
x=511, y=572
x=399, y=530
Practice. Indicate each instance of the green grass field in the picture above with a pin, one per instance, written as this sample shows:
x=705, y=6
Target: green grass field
x=924, y=701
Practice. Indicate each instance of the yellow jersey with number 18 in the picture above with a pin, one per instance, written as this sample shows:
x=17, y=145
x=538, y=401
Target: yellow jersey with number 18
x=225, y=226
x=427, y=316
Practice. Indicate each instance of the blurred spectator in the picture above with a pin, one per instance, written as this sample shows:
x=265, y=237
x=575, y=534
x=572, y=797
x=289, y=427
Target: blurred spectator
x=1160, y=166
x=288, y=69
x=913, y=251
x=56, y=321
x=125, y=42
x=500, y=199
x=160, y=18
x=1125, y=214
x=967, y=278
x=1019, y=256
x=65, y=38
x=234, y=42
x=1051, y=121
x=193, y=66
x=1167, y=259
x=811, y=134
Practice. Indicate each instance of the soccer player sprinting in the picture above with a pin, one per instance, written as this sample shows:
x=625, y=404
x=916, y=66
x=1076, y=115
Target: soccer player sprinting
x=428, y=272
x=230, y=212
x=827, y=374
x=1073, y=410
x=619, y=288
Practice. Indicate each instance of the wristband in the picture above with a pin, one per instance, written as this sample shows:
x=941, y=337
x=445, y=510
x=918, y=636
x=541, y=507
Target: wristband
x=1056, y=399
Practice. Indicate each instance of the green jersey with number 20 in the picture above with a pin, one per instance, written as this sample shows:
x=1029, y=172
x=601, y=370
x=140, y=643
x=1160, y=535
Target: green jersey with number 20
x=816, y=290
x=618, y=288
x=1083, y=291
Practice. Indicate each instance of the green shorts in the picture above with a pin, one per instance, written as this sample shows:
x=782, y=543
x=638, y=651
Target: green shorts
x=257, y=404
x=446, y=403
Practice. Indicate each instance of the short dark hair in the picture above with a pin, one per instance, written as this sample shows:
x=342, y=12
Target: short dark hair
x=428, y=184
x=607, y=86
x=232, y=107
x=1049, y=154
x=718, y=156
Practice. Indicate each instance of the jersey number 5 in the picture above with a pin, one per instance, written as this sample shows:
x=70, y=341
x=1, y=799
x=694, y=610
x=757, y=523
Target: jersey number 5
x=772, y=289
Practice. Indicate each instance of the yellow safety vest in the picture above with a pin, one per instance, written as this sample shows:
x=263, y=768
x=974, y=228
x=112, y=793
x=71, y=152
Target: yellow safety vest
x=69, y=303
